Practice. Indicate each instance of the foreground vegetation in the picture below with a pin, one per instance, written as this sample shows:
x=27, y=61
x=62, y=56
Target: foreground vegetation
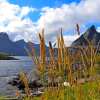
x=69, y=74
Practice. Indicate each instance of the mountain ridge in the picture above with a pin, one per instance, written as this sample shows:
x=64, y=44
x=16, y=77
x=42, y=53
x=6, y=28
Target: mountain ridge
x=91, y=35
x=16, y=48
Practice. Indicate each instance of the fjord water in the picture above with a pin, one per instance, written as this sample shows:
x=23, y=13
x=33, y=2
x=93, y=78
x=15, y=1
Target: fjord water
x=10, y=69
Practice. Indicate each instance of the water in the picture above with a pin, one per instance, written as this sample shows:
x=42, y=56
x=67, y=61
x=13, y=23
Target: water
x=9, y=69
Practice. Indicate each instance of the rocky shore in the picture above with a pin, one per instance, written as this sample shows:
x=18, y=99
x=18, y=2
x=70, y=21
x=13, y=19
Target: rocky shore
x=35, y=86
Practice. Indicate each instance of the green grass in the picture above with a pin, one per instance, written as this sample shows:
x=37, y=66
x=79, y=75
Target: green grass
x=87, y=91
x=7, y=98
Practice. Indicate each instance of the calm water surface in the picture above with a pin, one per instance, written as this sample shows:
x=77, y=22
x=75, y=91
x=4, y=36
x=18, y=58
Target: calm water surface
x=9, y=69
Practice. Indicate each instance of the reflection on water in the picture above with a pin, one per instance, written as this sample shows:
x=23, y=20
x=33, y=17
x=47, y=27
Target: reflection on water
x=9, y=69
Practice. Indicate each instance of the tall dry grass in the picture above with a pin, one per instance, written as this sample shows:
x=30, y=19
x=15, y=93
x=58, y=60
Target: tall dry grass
x=69, y=75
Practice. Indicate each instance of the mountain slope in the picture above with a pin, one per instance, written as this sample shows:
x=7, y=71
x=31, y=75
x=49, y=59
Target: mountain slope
x=91, y=35
x=14, y=48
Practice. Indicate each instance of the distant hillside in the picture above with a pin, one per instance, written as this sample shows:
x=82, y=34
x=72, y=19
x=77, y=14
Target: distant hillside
x=14, y=48
x=91, y=34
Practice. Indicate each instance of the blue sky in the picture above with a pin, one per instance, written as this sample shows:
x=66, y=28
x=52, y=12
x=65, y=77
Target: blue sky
x=42, y=3
x=23, y=19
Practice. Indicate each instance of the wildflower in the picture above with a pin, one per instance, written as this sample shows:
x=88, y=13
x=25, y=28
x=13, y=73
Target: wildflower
x=17, y=93
x=66, y=84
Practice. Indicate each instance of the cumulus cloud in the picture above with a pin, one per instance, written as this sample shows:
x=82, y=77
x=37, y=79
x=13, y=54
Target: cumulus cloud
x=26, y=10
x=98, y=29
x=66, y=16
x=15, y=20
x=70, y=38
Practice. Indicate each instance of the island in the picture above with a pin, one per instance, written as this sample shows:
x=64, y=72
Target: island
x=4, y=56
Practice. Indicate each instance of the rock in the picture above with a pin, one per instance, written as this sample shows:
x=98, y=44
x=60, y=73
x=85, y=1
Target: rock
x=37, y=93
x=20, y=85
x=14, y=81
x=35, y=84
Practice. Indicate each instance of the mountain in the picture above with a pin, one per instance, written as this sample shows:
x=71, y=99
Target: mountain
x=91, y=35
x=14, y=48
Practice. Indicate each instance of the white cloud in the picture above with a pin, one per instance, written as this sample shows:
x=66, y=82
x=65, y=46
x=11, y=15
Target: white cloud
x=15, y=20
x=66, y=16
x=68, y=39
x=26, y=10
x=98, y=29
x=3, y=1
